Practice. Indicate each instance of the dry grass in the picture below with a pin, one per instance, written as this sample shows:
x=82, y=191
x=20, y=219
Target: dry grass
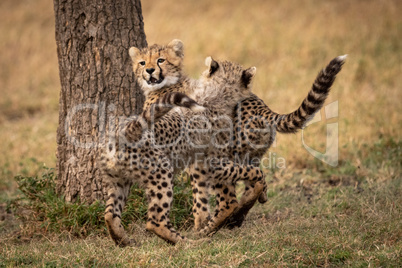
x=29, y=85
x=288, y=42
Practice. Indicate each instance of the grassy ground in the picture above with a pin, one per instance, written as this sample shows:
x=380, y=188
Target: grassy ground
x=317, y=215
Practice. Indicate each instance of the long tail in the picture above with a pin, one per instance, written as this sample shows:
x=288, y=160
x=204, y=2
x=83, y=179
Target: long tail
x=315, y=99
x=135, y=126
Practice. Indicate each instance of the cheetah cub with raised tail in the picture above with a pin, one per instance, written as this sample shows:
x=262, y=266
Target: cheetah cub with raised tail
x=255, y=127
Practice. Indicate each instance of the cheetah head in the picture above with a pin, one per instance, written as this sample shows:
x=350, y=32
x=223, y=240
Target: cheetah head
x=157, y=66
x=226, y=81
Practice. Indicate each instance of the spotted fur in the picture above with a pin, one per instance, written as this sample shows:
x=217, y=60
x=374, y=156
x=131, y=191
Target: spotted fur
x=223, y=75
x=291, y=123
x=136, y=127
x=152, y=161
x=250, y=115
x=255, y=126
x=229, y=75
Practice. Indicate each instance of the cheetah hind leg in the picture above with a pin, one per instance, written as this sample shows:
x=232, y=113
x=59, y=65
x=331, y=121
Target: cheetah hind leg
x=226, y=204
x=254, y=191
x=226, y=211
x=262, y=199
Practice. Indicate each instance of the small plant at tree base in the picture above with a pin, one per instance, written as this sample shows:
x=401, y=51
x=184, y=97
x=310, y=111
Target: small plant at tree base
x=42, y=205
x=41, y=208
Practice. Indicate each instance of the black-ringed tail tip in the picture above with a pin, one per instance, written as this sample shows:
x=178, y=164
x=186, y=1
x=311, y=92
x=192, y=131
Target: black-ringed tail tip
x=190, y=103
x=197, y=108
x=342, y=58
x=290, y=123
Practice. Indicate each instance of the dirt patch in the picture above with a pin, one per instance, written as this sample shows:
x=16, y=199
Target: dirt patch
x=5, y=214
x=277, y=216
x=336, y=180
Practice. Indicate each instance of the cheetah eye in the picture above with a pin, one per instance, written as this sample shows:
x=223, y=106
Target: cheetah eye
x=161, y=60
x=142, y=63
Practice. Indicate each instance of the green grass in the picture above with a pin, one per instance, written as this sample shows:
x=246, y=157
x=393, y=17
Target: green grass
x=41, y=209
x=340, y=225
x=317, y=215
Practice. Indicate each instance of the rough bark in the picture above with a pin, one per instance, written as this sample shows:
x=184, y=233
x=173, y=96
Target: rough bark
x=97, y=82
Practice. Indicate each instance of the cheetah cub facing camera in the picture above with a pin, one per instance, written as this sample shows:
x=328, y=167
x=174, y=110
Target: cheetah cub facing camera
x=173, y=143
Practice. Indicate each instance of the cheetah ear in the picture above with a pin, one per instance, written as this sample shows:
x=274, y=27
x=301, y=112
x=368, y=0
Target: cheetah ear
x=133, y=51
x=212, y=65
x=177, y=46
x=247, y=76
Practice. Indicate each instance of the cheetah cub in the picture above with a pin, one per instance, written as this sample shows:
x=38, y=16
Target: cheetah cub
x=255, y=126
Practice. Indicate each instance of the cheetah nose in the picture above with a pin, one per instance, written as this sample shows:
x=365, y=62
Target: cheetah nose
x=150, y=70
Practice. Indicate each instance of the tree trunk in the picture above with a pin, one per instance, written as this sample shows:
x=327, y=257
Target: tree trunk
x=97, y=83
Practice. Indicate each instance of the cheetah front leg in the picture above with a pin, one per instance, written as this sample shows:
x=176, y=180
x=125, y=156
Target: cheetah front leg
x=200, y=187
x=160, y=197
x=117, y=197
